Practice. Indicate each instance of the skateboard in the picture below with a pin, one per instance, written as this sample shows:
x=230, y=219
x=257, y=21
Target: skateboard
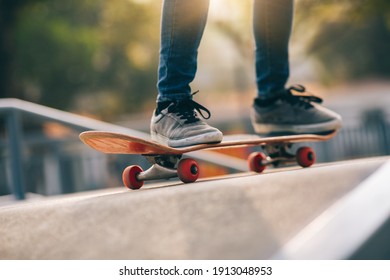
x=168, y=162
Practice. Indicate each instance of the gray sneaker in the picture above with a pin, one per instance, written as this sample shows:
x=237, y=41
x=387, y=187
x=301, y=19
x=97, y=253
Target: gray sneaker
x=178, y=124
x=293, y=114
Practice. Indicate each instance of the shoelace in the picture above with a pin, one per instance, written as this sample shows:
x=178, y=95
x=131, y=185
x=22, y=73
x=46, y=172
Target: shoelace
x=186, y=110
x=302, y=100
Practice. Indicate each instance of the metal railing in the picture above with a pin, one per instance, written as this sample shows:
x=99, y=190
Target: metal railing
x=15, y=112
x=70, y=166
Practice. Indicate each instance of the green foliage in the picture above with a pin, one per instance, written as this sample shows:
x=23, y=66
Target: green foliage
x=349, y=39
x=90, y=50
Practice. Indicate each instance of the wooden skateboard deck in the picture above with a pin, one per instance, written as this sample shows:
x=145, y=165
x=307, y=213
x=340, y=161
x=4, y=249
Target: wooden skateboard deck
x=116, y=143
x=167, y=162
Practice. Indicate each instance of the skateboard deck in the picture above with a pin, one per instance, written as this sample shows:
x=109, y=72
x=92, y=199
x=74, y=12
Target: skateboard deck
x=167, y=162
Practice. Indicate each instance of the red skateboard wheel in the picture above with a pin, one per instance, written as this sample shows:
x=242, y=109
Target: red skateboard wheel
x=129, y=177
x=305, y=156
x=255, y=162
x=188, y=170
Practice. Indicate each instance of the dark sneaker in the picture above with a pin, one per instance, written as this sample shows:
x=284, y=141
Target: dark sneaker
x=177, y=124
x=291, y=113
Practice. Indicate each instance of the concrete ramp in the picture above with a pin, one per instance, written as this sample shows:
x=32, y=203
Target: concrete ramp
x=245, y=216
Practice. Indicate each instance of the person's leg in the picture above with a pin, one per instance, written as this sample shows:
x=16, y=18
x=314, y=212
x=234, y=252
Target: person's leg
x=182, y=27
x=175, y=121
x=272, y=21
x=277, y=110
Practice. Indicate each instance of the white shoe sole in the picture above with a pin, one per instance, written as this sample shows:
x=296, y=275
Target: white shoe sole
x=208, y=138
x=297, y=129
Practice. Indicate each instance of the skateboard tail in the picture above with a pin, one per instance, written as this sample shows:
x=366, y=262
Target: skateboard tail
x=110, y=145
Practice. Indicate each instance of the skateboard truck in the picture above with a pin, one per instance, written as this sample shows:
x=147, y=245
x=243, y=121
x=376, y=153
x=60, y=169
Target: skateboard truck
x=279, y=154
x=163, y=167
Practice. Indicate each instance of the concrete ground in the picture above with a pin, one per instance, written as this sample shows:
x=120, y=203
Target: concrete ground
x=244, y=216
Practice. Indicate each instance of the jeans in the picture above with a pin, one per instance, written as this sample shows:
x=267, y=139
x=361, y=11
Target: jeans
x=182, y=26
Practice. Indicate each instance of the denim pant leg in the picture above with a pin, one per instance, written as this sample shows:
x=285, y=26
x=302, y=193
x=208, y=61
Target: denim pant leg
x=272, y=23
x=182, y=26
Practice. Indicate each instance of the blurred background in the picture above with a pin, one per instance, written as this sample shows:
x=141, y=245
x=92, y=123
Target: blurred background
x=99, y=59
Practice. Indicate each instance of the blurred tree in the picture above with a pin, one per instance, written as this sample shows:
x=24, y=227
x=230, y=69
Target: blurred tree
x=349, y=39
x=8, y=19
x=128, y=55
x=55, y=43
x=104, y=52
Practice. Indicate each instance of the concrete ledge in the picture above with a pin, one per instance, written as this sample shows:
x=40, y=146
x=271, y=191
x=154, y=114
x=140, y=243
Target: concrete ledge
x=247, y=216
x=346, y=226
